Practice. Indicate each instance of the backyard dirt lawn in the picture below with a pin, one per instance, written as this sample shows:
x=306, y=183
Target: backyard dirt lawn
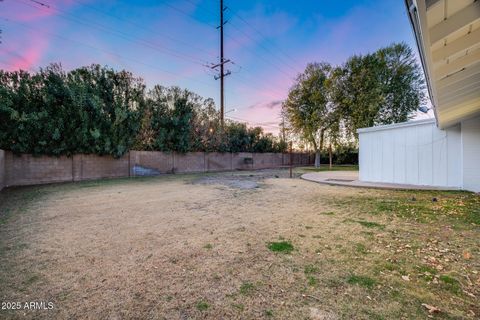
x=243, y=245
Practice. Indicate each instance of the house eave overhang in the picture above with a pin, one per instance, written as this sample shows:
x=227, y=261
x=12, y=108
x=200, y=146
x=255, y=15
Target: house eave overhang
x=447, y=33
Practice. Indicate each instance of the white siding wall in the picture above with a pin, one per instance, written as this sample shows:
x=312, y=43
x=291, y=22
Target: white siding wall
x=471, y=154
x=412, y=153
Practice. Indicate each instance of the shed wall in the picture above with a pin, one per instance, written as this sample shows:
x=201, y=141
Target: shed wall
x=417, y=153
x=471, y=154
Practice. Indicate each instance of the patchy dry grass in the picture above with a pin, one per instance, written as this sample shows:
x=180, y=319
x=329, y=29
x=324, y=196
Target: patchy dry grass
x=213, y=246
x=421, y=206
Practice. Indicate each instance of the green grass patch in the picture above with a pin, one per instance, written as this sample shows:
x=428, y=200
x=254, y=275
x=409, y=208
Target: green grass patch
x=427, y=272
x=31, y=280
x=363, y=281
x=361, y=248
x=310, y=269
x=366, y=224
x=389, y=266
x=451, y=284
x=424, y=269
x=328, y=213
x=247, y=288
x=268, y=313
x=202, y=305
x=208, y=246
x=312, y=281
x=281, y=246
x=369, y=224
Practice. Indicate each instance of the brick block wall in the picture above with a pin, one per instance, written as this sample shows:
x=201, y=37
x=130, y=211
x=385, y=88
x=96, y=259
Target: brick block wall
x=2, y=169
x=160, y=161
x=216, y=161
x=238, y=161
x=267, y=160
x=189, y=162
x=26, y=169
x=95, y=167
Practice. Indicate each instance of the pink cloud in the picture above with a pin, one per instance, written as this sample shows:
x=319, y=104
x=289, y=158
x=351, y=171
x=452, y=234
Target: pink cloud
x=29, y=49
x=24, y=62
x=265, y=114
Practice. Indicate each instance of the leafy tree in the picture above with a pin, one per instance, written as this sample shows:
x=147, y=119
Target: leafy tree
x=308, y=109
x=379, y=88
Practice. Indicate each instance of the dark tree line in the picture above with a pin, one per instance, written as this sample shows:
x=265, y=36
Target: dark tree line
x=102, y=111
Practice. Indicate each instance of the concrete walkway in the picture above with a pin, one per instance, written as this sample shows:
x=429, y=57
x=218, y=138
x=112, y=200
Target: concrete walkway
x=350, y=179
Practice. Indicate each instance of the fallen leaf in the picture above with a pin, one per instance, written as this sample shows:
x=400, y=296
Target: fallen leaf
x=431, y=309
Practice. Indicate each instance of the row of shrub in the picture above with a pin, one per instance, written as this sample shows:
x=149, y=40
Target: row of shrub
x=98, y=110
x=342, y=154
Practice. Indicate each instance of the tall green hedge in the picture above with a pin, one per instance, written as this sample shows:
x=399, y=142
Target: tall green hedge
x=99, y=110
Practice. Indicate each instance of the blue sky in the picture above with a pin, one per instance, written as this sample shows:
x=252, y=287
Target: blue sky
x=169, y=42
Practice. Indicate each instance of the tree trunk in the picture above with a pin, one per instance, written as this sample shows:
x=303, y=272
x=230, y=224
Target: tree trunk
x=318, y=150
x=317, y=158
x=330, y=155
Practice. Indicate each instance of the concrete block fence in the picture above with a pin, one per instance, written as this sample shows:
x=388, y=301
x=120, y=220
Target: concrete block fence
x=25, y=169
x=2, y=169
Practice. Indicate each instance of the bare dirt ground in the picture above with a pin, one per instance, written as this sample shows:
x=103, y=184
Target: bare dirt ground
x=199, y=247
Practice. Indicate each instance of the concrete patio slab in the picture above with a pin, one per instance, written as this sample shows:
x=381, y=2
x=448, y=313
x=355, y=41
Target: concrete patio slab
x=350, y=179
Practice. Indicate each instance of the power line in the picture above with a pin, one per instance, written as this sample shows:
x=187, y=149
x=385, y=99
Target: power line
x=279, y=49
x=65, y=15
x=266, y=49
x=133, y=23
x=109, y=52
x=228, y=36
x=106, y=51
x=117, y=33
x=187, y=14
x=236, y=14
x=102, y=28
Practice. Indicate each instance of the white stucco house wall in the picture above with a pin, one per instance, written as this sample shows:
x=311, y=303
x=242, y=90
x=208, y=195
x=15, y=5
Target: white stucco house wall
x=444, y=151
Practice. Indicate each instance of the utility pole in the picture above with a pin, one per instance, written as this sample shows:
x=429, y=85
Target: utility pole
x=221, y=64
x=222, y=99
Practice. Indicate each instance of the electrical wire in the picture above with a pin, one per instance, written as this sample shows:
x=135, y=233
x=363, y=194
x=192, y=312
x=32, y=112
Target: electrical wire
x=122, y=35
x=117, y=33
x=268, y=61
x=105, y=51
x=279, y=49
x=133, y=23
x=236, y=14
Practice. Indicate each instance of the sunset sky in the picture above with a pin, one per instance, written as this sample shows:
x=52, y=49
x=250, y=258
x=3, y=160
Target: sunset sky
x=170, y=42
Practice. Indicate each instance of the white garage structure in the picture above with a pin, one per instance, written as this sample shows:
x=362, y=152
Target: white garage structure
x=444, y=151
